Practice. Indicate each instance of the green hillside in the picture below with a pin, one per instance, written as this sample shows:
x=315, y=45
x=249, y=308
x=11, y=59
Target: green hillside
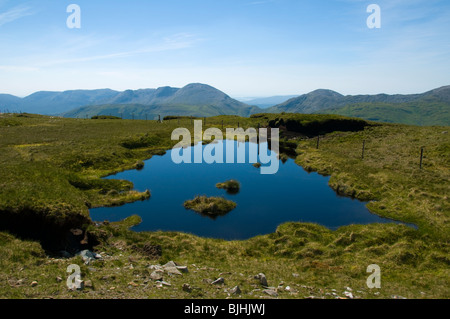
x=152, y=112
x=420, y=113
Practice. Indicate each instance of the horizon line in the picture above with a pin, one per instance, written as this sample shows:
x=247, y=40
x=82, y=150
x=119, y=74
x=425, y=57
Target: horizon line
x=250, y=96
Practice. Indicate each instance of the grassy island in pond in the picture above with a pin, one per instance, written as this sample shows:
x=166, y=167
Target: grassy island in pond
x=232, y=186
x=210, y=206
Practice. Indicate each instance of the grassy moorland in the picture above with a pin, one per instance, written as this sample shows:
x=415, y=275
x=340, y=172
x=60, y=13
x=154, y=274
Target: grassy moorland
x=51, y=168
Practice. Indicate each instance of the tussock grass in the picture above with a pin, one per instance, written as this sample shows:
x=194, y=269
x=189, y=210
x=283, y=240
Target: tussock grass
x=309, y=258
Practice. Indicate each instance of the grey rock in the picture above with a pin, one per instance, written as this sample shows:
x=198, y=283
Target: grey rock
x=262, y=279
x=235, y=291
x=172, y=271
x=170, y=264
x=155, y=267
x=157, y=275
x=88, y=284
x=207, y=281
x=87, y=256
x=271, y=292
x=219, y=281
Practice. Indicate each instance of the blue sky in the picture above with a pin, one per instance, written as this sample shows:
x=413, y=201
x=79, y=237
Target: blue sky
x=246, y=48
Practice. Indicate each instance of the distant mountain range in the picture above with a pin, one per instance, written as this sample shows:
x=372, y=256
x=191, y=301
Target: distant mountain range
x=52, y=103
x=429, y=108
x=194, y=99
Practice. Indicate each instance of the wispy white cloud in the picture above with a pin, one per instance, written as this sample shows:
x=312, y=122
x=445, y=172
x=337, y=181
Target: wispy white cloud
x=175, y=42
x=14, y=14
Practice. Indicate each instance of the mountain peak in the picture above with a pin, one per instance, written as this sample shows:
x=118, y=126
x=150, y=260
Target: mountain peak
x=310, y=102
x=198, y=86
x=325, y=92
x=199, y=94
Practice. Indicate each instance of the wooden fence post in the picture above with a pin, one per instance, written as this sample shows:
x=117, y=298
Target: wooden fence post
x=421, y=157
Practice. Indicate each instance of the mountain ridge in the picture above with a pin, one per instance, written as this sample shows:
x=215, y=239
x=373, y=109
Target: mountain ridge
x=428, y=108
x=194, y=99
x=323, y=99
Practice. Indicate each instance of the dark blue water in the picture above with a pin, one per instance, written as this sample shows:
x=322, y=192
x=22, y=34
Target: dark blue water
x=263, y=203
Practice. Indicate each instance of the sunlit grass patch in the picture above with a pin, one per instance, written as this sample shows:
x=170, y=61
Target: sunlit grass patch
x=31, y=145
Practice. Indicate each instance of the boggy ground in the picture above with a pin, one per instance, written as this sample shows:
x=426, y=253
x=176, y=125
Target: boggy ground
x=52, y=166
